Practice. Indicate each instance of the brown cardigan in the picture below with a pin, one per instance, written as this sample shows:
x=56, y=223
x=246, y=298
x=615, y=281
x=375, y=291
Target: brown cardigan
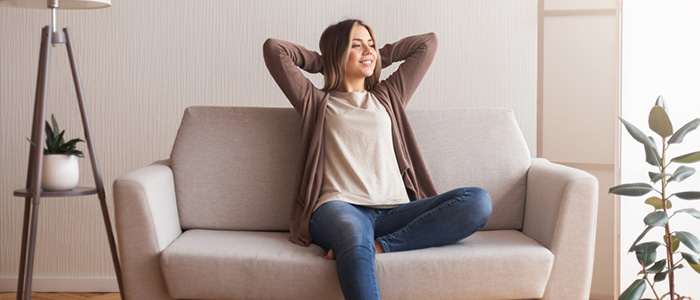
x=284, y=59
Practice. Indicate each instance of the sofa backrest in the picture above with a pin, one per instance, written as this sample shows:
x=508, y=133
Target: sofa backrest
x=477, y=147
x=235, y=167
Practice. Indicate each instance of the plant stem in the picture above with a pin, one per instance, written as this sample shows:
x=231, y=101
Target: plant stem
x=651, y=284
x=667, y=227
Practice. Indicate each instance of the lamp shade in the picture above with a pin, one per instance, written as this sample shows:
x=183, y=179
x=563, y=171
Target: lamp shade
x=63, y=4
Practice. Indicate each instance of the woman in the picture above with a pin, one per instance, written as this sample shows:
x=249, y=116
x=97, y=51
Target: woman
x=360, y=169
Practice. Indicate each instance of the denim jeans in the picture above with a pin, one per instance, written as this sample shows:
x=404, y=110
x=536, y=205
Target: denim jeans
x=350, y=230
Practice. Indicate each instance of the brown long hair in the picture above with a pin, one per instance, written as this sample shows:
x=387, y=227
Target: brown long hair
x=335, y=44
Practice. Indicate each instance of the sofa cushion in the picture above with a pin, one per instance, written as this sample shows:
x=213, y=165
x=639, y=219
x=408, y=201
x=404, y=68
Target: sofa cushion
x=234, y=167
x=477, y=147
x=263, y=265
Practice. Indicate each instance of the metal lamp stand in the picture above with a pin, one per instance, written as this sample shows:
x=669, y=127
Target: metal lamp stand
x=33, y=192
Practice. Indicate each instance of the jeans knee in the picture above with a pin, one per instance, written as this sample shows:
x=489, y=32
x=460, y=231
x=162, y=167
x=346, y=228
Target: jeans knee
x=478, y=203
x=357, y=247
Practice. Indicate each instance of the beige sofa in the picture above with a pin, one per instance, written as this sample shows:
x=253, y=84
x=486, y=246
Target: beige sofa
x=211, y=222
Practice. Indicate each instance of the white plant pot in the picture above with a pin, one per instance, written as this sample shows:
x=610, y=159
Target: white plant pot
x=60, y=172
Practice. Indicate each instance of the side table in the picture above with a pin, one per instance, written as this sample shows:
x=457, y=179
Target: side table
x=33, y=192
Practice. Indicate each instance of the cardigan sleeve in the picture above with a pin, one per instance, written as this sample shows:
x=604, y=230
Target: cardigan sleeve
x=417, y=53
x=283, y=60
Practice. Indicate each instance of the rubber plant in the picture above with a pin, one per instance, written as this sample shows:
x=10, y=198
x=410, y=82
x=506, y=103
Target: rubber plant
x=679, y=249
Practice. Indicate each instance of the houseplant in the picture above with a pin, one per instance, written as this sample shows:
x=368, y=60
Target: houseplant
x=60, y=166
x=679, y=249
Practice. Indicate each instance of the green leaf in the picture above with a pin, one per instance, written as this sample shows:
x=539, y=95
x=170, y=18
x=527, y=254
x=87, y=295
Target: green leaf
x=49, y=132
x=688, y=158
x=680, y=134
x=655, y=177
x=659, y=122
x=631, y=189
x=691, y=211
x=689, y=240
x=692, y=261
x=657, y=218
x=54, y=145
x=639, y=238
x=682, y=173
x=646, y=252
x=657, y=267
x=31, y=142
x=55, y=125
x=675, y=243
x=695, y=267
x=690, y=258
x=652, y=155
x=657, y=203
x=648, y=246
x=688, y=195
x=634, y=291
x=637, y=134
x=72, y=143
x=661, y=276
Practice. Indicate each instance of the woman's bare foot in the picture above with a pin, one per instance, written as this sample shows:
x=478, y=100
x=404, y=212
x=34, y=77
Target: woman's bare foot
x=330, y=255
x=377, y=249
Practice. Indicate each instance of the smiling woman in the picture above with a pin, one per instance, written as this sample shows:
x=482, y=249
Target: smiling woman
x=334, y=44
x=361, y=61
x=367, y=190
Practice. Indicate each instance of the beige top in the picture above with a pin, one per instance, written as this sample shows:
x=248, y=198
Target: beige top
x=361, y=166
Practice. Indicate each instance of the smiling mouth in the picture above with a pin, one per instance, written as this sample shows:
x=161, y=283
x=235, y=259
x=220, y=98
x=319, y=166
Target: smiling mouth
x=366, y=62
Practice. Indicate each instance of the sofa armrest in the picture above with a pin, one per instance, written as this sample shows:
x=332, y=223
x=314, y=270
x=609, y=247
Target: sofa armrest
x=560, y=213
x=147, y=222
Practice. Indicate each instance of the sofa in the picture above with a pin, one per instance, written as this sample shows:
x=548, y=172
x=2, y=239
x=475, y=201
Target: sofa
x=211, y=222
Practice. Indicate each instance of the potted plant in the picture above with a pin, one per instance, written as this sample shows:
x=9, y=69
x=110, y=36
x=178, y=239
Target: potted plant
x=679, y=249
x=60, y=167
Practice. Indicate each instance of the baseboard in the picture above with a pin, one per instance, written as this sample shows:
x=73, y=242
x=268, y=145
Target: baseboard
x=72, y=284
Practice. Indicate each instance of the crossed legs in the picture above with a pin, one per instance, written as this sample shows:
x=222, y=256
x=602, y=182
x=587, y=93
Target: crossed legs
x=352, y=234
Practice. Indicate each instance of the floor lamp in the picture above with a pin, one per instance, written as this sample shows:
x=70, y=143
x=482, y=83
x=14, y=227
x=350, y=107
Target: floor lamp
x=33, y=192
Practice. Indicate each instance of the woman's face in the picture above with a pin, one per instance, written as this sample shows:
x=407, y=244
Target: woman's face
x=362, y=56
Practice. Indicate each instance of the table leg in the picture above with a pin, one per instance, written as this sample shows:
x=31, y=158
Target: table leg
x=23, y=254
x=34, y=170
x=32, y=244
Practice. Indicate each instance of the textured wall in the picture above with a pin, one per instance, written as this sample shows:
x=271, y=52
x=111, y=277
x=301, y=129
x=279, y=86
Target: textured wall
x=143, y=62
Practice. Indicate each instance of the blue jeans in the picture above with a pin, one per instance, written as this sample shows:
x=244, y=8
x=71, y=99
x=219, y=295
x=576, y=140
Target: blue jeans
x=350, y=230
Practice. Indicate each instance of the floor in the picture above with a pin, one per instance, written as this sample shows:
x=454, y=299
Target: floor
x=65, y=296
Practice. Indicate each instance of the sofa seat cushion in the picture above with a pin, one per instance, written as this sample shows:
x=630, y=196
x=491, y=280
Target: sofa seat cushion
x=208, y=264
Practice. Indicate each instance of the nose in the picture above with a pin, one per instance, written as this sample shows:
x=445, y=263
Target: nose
x=366, y=49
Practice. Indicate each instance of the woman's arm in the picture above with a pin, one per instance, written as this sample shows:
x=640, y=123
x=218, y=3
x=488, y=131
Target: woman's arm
x=283, y=60
x=417, y=52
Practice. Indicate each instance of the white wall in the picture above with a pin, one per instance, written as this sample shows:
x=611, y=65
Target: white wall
x=660, y=56
x=143, y=62
x=578, y=107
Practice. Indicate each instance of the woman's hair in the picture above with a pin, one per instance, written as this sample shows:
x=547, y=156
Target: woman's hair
x=334, y=44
